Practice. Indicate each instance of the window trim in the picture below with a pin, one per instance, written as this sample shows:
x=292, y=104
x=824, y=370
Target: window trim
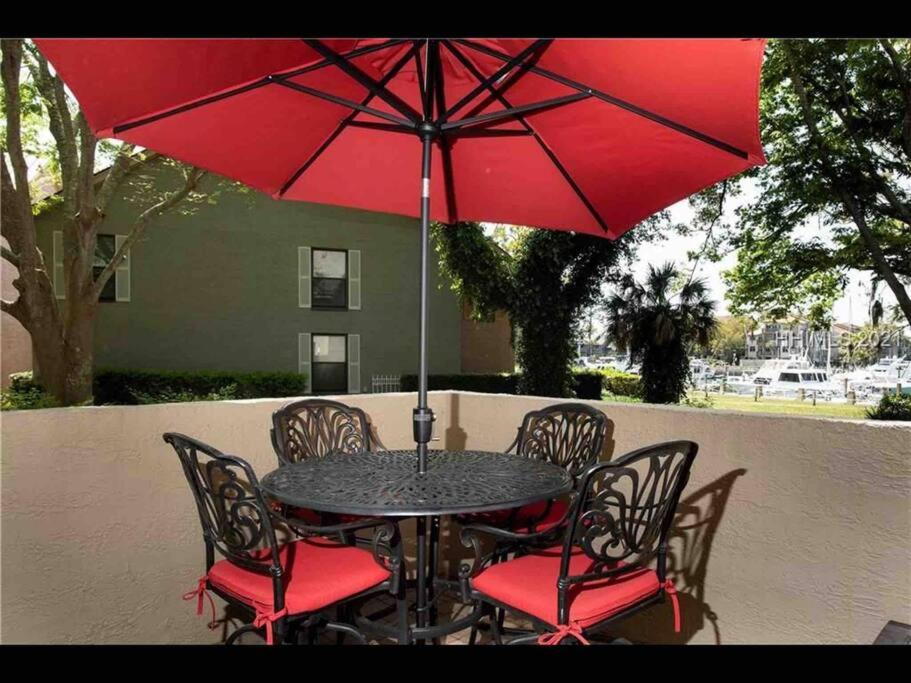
x=112, y=281
x=314, y=362
x=314, y=278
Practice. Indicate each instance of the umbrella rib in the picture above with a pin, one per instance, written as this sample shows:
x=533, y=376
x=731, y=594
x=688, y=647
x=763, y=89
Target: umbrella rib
x=342, y=101
x=532, y=108
x=531, y=131
x=364, y=79
x=623, y=104
x=343, y=124
x=445, y=145
x=265, y=80
x=536, y=47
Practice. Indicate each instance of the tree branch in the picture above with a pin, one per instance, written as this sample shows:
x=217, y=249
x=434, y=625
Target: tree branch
x=122, y=166
x=905, y=83
x=61, y=125
x=192, y=181
x=10, y=256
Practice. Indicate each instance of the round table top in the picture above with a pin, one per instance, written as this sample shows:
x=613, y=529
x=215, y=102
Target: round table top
x=386, y=483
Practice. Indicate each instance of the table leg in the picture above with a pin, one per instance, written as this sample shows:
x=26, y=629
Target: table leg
x=433, y=569
x=421, y=588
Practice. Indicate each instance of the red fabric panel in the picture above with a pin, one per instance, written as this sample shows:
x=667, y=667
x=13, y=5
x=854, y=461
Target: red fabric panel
x=625, y=167
x=529, y=584
x=317, y=573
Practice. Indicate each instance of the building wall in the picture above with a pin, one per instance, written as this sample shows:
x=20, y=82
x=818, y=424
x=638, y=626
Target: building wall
x=791, y=529
x=215, y=285
x=15, y=343
x=487, y=346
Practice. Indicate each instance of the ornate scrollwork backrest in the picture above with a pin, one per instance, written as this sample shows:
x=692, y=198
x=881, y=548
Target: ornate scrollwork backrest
x=313, y=428
x=626, y=507
x=233, y=514
x=570, y=435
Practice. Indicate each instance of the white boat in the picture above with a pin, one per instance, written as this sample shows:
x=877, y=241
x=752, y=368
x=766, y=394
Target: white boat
x=788, y=376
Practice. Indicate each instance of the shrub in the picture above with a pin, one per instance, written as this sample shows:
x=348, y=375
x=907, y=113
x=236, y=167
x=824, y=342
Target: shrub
x=892, y=407
x=132, y=387
x=25, y=394
x=588, y=384
x=485, y=384
x=619, y=383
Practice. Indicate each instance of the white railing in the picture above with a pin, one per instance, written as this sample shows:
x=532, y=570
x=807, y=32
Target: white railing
x=381, y=384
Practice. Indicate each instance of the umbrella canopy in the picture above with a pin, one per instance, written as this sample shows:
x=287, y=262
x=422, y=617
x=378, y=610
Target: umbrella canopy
x=584, y=135
x=611, y=132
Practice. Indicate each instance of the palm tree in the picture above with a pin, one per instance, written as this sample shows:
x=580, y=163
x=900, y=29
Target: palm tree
x=658, y=325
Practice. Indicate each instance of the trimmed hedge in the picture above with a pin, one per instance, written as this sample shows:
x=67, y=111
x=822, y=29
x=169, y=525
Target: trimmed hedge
x=131, y=387
x=485, y=384
x=586, y=384
x=621, y=383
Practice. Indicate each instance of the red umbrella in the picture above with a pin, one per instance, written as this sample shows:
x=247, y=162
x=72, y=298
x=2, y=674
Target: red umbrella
x=585, y=135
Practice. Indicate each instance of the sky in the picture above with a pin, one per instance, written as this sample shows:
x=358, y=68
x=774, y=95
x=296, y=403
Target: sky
x=852, y=307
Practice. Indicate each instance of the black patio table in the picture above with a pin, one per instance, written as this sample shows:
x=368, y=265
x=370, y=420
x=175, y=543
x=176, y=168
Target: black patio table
x=387, y=484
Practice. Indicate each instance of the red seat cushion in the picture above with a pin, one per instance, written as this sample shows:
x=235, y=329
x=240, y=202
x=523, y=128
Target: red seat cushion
x=529, y=584
x=317, y=572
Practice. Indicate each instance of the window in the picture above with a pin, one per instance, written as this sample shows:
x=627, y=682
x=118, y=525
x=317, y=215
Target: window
x=329, y=364
x=330, y=279
x=789, y=377
x=104, y=252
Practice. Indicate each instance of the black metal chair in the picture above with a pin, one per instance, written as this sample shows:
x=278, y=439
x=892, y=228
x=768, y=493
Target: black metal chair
x=287, y=587
x=315, y=427
x=601, y=572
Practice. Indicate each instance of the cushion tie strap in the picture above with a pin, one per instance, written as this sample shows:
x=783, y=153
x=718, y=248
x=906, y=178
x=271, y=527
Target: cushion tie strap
x=671, y=591
x=563, y=630
x=199, y=593
x=264, y=618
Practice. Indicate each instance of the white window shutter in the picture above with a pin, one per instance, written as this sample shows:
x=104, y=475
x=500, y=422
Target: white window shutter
x=304, y=353
x=354, y=363
x=59, y=282
x=303, y=277
x=122, y=271
x=354, y=280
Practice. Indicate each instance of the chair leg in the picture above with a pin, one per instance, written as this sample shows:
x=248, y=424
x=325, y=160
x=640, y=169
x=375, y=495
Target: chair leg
x=495, y=628
x=249, y=628
x=341, y=616
x=404, y=628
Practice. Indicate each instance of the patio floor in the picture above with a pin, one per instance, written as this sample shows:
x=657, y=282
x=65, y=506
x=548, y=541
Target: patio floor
x=449, y=609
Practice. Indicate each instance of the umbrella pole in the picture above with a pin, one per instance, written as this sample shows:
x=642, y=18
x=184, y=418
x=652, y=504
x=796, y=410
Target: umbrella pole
x=423, y=416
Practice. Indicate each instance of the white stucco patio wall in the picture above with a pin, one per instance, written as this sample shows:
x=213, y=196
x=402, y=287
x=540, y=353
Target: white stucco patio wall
x=792, y=530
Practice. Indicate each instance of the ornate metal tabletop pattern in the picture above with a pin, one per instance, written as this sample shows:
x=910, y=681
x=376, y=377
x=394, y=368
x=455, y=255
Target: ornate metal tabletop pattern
x=387, y=483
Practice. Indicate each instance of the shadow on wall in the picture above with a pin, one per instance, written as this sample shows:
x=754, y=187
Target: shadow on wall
x=695, y=525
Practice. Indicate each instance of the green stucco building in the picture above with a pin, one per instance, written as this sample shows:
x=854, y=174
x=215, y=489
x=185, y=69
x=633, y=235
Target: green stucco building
x=239, y=281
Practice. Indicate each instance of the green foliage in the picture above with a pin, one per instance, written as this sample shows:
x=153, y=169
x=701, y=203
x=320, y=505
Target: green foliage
x=892, y=407
x=132, y=387
x=25, y=394
x=588, y=384
x=619, y=383
x=797, y=237
x=729, y=338
x=866, y=345
x=697, y=401
x=485, y=384
x=658, y=325
x=543, y=279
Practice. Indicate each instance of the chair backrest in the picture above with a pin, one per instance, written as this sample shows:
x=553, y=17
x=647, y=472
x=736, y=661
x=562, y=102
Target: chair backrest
x=313, y=428
x=233, y=513
x=625, y=509
x=570, y=435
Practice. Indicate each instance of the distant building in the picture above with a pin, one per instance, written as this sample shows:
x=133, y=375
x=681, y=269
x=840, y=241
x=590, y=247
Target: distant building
x=784, y=339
